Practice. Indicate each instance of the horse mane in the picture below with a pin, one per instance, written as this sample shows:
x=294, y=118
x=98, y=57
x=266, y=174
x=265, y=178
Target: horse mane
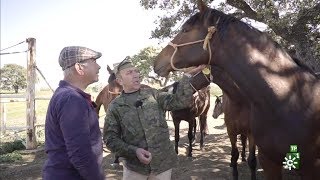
x=222, y=21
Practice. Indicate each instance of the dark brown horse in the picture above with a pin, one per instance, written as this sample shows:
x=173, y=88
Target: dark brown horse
x=199, y=108
x=283, y=96
x=218, y=107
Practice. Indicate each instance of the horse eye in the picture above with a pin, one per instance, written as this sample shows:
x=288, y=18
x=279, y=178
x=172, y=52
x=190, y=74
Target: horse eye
x=184, y=30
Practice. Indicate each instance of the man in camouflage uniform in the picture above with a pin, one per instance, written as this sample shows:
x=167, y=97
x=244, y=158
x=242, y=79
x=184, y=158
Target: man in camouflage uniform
x=135, y=126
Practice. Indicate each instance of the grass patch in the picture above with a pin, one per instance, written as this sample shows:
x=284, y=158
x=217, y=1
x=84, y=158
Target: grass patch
x=10, y=157
x=10, y=147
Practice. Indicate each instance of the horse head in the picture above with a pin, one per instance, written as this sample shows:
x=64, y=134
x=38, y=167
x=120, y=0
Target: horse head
x=112, y=77
x=191, y=46
x=218, y=107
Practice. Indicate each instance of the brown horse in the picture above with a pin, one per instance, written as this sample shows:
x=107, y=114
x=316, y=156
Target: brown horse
x=109, y=92
x=199, y=108
x=237, y=119
x=283, y=96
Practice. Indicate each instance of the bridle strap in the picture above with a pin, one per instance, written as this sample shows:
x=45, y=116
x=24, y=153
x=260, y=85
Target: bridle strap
x=206, y=45
x=113, y=93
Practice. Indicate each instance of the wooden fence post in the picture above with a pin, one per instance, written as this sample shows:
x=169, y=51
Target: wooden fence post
x=31, y=142
x=3, y=117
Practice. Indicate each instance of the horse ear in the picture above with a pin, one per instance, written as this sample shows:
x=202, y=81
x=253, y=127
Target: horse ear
x=201, y=6
x=109, y=69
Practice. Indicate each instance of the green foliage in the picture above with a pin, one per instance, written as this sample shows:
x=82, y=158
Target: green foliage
x=9, y=147
x=10, y=157
x=144, y=62
x=13, y=77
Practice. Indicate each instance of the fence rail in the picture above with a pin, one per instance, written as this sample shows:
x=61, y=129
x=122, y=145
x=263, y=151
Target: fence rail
x=5, y=99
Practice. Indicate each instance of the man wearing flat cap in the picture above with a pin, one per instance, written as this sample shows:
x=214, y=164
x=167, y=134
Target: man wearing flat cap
x=135, y=127
x=73, y=138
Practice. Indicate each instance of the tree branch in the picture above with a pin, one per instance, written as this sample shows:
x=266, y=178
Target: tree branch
x=306, y=15
x=241, y=4
x=155, y=79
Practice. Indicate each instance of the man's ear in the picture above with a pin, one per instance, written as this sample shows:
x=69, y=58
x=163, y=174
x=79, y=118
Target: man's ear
x=79, y=68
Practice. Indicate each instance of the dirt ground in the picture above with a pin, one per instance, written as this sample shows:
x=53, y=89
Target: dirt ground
x=210, y=163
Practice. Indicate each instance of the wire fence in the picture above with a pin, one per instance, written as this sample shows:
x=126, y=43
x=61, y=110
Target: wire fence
x=13, y=107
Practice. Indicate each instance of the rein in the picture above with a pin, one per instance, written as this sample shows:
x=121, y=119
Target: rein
x=113, y=93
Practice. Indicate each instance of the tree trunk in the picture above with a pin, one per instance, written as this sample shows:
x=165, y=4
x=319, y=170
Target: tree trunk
x=16, y=89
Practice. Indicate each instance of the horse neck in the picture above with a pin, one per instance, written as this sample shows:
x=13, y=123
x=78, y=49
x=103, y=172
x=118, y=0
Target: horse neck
x=264, y=72
x=224, y=81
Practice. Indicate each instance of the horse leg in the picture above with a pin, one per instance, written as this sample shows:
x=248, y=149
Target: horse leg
x=203, y=126
x=190, y=135
x=194, y=130
x=271, y=170
x=116, y=162
x=252, y=161
x=116, y=159
x=234, y=156
x=244, y=144
x=176, y=134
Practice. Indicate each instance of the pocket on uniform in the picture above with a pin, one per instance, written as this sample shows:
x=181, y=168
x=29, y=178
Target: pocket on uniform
x=128, y=123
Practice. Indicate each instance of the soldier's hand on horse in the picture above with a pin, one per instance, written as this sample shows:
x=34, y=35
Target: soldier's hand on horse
x=143, y=155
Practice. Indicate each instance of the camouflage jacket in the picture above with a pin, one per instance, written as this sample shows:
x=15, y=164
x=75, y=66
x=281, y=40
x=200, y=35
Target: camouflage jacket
x=128, y=127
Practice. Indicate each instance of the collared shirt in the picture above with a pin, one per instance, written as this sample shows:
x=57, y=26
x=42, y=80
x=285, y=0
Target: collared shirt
x=73, y=141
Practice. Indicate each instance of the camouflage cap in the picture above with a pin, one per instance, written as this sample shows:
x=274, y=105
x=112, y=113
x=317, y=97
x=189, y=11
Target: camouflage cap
x=74, y=54
x=126, y=63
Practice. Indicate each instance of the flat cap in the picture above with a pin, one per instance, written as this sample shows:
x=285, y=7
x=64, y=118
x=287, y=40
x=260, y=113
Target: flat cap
x=71, y=55
x=126, y=63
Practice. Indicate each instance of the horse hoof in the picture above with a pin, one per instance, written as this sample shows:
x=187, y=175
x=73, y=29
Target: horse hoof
x=116, y=166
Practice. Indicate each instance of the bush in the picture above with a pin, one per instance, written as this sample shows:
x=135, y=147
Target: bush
x=9, y=147
x=10, y=157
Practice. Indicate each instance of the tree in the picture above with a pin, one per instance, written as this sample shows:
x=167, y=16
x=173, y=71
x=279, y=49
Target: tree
x=294, y=24
x=144, y=62
x=13, y=77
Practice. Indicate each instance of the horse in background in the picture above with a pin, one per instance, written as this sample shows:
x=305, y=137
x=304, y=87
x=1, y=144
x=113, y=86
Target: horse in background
x=237, y=122
x=109, y=92
x=283, y=96
x=237, y=110
x=199, y=108
x=218, y=107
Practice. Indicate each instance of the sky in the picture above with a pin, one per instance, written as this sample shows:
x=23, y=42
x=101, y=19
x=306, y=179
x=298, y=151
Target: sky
x=114, y=28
